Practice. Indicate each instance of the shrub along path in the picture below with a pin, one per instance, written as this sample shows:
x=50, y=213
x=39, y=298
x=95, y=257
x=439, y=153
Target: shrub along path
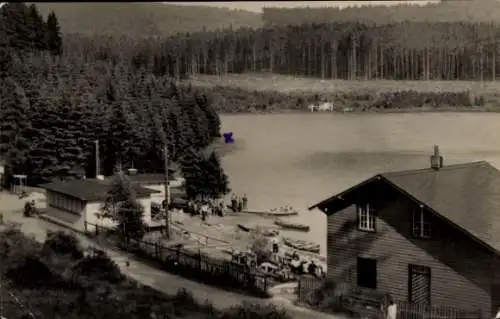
x=150, y=276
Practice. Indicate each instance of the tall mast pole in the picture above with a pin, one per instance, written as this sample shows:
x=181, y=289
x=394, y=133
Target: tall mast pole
x=97, y=164
x=167, y=189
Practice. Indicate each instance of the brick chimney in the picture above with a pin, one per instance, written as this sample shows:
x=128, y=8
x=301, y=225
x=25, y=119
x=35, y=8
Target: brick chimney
x=436, y=159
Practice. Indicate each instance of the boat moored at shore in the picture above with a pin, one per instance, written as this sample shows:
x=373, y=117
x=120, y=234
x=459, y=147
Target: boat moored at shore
x=291, y=225
x=302, y=245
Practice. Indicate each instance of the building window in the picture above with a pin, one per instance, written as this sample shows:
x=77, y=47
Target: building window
x=366, y=217
x=421, y=225
x=367, y=273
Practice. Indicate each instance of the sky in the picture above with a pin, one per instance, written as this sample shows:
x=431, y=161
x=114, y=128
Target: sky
x=256, y=6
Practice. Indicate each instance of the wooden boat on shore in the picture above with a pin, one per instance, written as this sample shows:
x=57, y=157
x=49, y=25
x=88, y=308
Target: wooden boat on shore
x=274, y=212
x=290, y=225
x=264, y=230
x=301, y=245
x=244, y=228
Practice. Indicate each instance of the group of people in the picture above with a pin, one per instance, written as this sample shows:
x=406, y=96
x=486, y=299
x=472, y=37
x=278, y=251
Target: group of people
x=239, y=204
x=205, y=208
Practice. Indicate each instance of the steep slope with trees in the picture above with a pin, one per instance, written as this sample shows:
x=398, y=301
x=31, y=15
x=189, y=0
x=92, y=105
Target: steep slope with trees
x=145, y=19
x=57, y=99
x=423, y=51
x=485, y=11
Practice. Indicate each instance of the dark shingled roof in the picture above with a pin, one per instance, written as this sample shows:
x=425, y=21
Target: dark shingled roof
x=467, y=195
x=90, y=189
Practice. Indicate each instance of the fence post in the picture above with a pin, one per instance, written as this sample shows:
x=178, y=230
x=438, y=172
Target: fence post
x=299, y=297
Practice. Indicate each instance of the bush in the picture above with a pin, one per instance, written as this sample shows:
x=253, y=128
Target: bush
x=95, y=268
x=255, y=311
x=261, y=247
x=63, y=243
x=326, y=297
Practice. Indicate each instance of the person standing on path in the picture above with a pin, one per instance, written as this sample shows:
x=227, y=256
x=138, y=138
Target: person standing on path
x=392, y=310
x=274, y=242
x=222, y=208
x=234, y=202
x=244, y=201
x=240, y=205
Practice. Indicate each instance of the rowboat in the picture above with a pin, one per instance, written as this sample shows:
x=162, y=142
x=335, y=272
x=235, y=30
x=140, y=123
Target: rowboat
x=263, y=230
x=289, y=225
x=302, y=245
x=244, y=227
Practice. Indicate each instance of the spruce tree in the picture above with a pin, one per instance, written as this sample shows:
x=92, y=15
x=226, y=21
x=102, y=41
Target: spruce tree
x=15, y=25
x=219, y=182
x=121, y=205
x=37, y=29
x=118, y=148
x=15, y=140
x=57, y=153
x=204, y=175
x=53, y=35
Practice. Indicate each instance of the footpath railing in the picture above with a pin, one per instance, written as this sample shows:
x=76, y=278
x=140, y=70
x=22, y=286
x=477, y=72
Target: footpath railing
x=308, y=291
x=191, y=264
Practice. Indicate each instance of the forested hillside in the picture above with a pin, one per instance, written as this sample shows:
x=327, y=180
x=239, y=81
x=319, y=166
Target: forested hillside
x=145, y=19
x=445, y=11
x=57, y=100
x=423, y=51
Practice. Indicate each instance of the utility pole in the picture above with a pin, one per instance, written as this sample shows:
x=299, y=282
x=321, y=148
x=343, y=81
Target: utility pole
x=97, y=165
x=167, y=190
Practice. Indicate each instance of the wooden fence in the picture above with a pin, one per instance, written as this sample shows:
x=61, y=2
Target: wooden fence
x=194, y=264
x=422, y=311
x=306, y=296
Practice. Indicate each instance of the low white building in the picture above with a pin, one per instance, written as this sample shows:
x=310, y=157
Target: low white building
x=78, y=203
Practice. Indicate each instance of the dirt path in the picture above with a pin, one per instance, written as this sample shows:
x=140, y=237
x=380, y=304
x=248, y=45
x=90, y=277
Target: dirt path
x=145, y=274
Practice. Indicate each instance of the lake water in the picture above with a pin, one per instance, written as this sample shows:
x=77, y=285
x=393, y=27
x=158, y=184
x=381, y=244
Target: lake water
x=301, y=159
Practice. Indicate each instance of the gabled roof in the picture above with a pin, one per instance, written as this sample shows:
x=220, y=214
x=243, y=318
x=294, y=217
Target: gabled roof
x=90, y=189
x=467, y=195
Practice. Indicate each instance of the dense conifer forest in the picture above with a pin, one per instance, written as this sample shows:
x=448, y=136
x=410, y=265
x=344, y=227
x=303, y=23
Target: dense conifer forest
x=341, y=50
x=58, y=98
x=145, y=19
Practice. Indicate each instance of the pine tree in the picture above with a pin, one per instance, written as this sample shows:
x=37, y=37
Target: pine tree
x=15, y=26
x=122, y=206
x=37, y=29
x=118, y=144
x=204, y=175
x=15, y=141
x=53, y=35
x=69, y=132
x=219, y=180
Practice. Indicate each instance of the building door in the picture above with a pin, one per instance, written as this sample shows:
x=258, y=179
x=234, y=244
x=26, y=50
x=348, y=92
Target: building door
x=367, y=273
x=419, y=284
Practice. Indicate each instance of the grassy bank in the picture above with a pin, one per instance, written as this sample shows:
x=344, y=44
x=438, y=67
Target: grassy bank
x=265, y=93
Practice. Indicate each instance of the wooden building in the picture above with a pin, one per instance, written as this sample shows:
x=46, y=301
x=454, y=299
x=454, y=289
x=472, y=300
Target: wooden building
x=428, y=236
x=78, y=202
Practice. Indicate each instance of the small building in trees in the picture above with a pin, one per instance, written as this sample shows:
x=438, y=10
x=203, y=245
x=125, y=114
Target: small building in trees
x=429, y=236
x=78, y=202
